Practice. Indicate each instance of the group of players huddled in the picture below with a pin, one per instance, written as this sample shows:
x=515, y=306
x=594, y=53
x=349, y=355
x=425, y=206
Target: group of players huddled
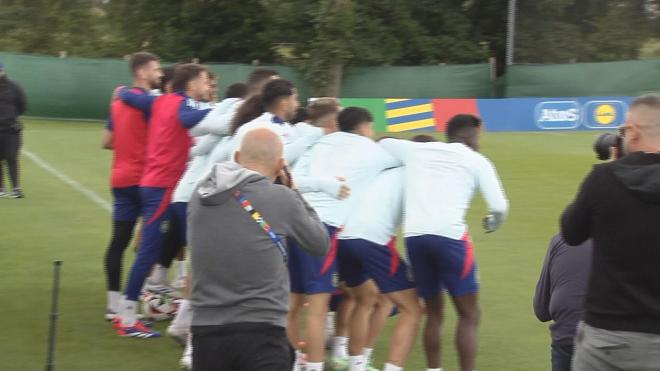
x=169, y=128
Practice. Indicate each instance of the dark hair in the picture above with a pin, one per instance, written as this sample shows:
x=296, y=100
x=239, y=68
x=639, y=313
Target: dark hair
x=185, y=73
x=462, y=126
x=139, y=60
x=352, y=117
x=254, y=106
x=322, y=107
x=258, y=76
x=423, y=138
x=236, y=90
x=168, y=74
x=249, y=110
x=301, y=115
x=275, y=90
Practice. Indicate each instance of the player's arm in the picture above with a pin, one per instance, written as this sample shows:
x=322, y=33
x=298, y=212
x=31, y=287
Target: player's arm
x=543, y=287
x=308, y=136
x=217, y=122
x=576, y=220
x=205, y=145
x=108, y=136
x=334, y=187
x=398, y=148
x=189, y=116
x=141, y=101
x=493, y=192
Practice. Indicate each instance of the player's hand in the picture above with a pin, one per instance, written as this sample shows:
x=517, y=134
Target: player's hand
x=492, y=222
x=285, y=178
x=344, y=189
x=115, y=93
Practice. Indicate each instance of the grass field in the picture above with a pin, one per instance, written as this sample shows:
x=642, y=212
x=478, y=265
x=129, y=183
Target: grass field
x=540, y=172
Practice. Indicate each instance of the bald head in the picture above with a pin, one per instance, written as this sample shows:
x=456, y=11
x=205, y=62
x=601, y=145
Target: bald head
x=645, y=113
x=261, y=151
x=642, y=128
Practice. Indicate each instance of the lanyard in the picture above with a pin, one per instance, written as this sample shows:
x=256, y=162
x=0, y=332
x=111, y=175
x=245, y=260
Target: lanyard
x=259, y=219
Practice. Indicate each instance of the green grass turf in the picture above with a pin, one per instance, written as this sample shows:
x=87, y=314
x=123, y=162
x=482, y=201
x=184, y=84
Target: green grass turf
x=540, y=172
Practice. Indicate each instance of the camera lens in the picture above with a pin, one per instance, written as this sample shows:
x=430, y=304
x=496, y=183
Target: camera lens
x=603, y=145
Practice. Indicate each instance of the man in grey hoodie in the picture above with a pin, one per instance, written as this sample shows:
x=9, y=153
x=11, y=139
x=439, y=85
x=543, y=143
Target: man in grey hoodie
x=239, y=221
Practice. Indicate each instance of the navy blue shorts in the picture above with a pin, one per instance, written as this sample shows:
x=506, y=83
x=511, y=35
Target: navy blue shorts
x=440, y=263
x=313, y=274
x=360, y=260
x=179, y=222
x=126, y=204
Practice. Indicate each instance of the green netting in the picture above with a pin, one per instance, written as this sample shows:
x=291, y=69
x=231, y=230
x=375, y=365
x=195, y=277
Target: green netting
x=68, y=88
x=582, y=79
x=81, y=88
x=465, y=81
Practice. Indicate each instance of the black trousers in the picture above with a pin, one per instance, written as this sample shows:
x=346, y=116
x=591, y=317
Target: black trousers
x=562, y=353
x=10, y=145
x=241, y=347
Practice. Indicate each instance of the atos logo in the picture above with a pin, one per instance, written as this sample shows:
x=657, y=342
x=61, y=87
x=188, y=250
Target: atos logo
x=604, y=114
x=557, y=115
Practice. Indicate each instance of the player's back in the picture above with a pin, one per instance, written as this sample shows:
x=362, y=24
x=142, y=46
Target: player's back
x=354, y=157
x=441, y=180
x=377, y=215
x=168, y=143
x=129, y=129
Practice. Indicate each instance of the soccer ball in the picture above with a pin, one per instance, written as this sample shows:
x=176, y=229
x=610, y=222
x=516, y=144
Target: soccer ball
x=159, y=307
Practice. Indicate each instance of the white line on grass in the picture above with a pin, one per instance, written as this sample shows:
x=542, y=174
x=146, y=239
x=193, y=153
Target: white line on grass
x=93, y=196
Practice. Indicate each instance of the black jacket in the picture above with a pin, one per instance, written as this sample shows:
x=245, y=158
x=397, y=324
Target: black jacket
x=619, y=207
x=12, y=105
x=560, y=291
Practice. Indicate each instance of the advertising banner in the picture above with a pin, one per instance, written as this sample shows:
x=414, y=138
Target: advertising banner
x=395, y=115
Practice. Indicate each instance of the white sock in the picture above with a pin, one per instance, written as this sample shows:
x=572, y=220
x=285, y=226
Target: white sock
x=114, y=297
x=391, y=367
x=330, y=325
x=314, y=366
x=368, y=352
x=340, y=347
x=184, y=315
x=299, y=361
x=434, y=369
x=356, y=363
x=181, y=268
x=158, y=275
x=128, y=312
x=187, y=352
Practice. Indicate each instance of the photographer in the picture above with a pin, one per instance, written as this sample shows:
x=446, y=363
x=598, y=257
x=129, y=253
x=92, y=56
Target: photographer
x=618, y=206
x=238, y=223
x=559, y=296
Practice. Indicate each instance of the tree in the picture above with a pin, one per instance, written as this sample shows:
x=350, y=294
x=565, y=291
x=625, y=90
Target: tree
x=330, y=35
x=50, y=26
x=561, y=31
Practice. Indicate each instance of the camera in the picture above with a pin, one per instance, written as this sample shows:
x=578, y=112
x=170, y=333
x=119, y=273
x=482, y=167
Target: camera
x=604, y=144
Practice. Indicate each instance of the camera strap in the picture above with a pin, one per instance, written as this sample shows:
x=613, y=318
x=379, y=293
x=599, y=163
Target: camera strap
x=261, y=222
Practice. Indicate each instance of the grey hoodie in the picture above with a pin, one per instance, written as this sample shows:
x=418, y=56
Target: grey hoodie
x=239, y=274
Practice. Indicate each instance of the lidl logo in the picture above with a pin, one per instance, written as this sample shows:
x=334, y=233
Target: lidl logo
x=604, y=114
x=557, y=115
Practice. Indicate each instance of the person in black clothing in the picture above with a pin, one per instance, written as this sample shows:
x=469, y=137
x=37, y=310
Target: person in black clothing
x=618, y=206
x=12, y=105
x=559, y=296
